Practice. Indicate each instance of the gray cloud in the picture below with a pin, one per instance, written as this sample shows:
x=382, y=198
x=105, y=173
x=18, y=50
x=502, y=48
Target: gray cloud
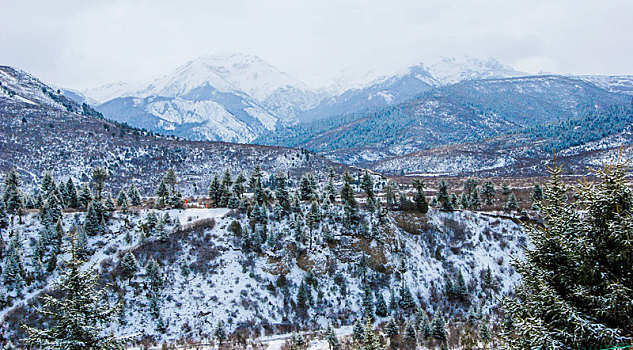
x=86, y=43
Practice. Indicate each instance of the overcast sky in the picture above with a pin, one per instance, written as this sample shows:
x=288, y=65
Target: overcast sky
x=80, y=44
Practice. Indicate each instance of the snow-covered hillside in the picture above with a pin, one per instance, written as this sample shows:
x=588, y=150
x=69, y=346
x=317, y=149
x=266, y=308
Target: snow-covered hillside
x=210, y=275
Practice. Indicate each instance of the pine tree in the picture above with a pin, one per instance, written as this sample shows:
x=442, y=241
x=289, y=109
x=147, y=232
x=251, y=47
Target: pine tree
x=214, y=191
x=85, y=195
x=77, y=317
x=307, y=187
x=577, y=280
x=313, y=218
x=425, y=326
x=4, y=217
x=121, y=200
x=484, y=331
x=489, y=192
x=12, y=195
x=48, y=184
x=537, y=195
x=281, y=193
x=442, y=196
x=14, y=271
x=391, y=329
x=459, y=288
x=409, y=334
x=255, y=179
x=304, y=297
x=154, y=275
x=367, y=185
x=330, y=188
x=438, y=327
x=368, y=303
x=72, y=199
x=162, y=194
x=133, y=196
x=129, y=266
x=171, y=180
x=381, y=306
x=419, y=198
x=332, y=339
x=406, y=299
x=99, y=175
x=505, y=189
x=51, y=212
x=94, y=224
x=238, y=185
x=220, y=332
x=369, y=340
x=512, y=203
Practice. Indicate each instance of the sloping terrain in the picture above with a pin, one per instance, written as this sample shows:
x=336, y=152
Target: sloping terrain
x=43, y=130
x=464, y=112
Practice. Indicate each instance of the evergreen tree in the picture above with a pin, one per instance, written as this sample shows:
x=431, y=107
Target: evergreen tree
x=14, y=271
x=4, y=217
x=220, y=332
x=368, y=303
x=72, y=199
x=94, y=224
x=505, y=189
x=332, y=339
x=381, y=306
x=313, y=218
x=367, y=185
x=537, y=194
x=512, y=203
x=154, y=275
x=369, y=340
x=255, y=179
x=238, y=185
x=99, y=175
x=577, y=281
x=308, y=187
x=406, y=299
x=281, y=193
x=484, y=331
x=170, y=179
x=129, y=265
x=85, y=195
x=51, y=212
x=77, y=316
x=214, y=191
x=162, y=193
x=391, y=190
x=304, y=297
x=330, y=188
x=391, y=329
x=48, y=184
x=133, y=196
x=425, y=326
x=438, y=326
x=419, y=198
x=409, y=334
x=12, y=195
x=121, y=200
x=489, y=192
x=442, y=196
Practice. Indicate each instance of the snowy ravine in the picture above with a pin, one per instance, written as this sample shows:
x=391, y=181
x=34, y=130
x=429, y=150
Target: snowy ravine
x=208, y=277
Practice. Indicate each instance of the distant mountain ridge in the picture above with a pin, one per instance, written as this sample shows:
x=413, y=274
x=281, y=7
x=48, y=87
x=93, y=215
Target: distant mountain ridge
x=268, y=98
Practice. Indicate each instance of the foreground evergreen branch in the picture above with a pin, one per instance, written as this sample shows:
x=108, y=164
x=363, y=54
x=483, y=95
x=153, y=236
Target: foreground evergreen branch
x=577, y=281
x=75, y=320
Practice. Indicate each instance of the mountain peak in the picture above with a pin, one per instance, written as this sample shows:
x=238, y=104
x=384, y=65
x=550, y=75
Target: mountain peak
x=454, y=69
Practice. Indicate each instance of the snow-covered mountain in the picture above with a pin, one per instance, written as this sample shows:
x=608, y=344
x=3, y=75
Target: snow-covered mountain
x=233, y=97
x=451, y=70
